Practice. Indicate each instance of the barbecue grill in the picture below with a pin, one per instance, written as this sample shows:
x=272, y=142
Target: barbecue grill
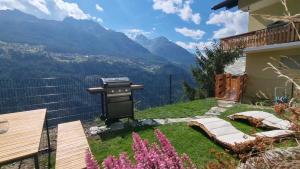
x=117, y=98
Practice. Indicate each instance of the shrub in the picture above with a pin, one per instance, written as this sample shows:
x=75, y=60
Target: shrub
x=147, y=156
x=212, y=61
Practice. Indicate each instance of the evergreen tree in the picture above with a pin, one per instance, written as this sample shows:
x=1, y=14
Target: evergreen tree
x=212, y=61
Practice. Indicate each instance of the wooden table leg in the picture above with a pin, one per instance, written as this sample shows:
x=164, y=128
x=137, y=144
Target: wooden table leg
x=48, y=140
x=36, y=162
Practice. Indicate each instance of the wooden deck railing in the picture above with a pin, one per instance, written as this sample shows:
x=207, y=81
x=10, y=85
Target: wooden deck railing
x=268, y=36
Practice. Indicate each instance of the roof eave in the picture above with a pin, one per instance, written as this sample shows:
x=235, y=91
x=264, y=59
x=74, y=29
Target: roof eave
x=228, y=4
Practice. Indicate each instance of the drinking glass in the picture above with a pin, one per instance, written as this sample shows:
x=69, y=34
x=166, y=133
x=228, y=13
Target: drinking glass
x=3, y=125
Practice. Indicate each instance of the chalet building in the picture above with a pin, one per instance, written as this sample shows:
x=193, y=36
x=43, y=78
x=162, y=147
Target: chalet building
x=266, y=39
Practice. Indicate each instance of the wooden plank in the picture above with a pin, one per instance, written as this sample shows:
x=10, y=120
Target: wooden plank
x=23, y=136
x=262, y=119
x=297, y=25
x=292, y=34
x=288, y=35
x=268, y=36
x=275, y=134
x=71, y=146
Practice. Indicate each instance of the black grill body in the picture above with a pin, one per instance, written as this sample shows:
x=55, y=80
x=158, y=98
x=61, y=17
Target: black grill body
x=117, y=98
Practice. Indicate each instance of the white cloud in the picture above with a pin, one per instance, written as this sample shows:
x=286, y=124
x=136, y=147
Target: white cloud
x=193, y=45
x=196, y=18
x=195, y=34
x=231, y=23
x=46, y=9
x=180, y=7
x=132, y=33
x=167, y=6
x=11, y=4
x=99, y=20
x=99, y=8
x=41, y=5
x=186, y=12
x=71, y=10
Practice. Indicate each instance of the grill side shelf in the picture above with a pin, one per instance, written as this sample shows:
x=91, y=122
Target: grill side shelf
x=95, y=90
x=136, y=87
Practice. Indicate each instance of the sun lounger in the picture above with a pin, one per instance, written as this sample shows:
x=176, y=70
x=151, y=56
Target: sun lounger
x=222, y=131
x=262, y=119
x=275, y=134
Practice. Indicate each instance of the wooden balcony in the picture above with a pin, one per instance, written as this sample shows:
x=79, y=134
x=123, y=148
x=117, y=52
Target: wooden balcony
x=269, y=36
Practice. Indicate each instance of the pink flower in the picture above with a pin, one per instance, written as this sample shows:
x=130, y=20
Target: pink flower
x=91, y=163
x=188, y=162
x=124, y=161
x=111, y=163
x=169, y=150
x=146, y=156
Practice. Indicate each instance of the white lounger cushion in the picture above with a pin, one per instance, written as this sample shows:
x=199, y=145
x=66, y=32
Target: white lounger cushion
x=222, y=131
x=268, y=119
x=275, y=133
x=232, y=139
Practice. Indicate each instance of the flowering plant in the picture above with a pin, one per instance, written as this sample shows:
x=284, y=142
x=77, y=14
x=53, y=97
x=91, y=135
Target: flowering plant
x=91, y=163
x=148, y=156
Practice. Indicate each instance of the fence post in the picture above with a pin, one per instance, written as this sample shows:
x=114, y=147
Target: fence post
x=170, y=88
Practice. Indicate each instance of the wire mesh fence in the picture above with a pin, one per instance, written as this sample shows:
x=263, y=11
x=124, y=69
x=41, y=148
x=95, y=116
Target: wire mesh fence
x=66, y=99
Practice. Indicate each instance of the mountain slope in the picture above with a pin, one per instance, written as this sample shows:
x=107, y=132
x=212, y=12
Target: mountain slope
x=162, y=47
x=36, y=48
x=70, y=36
x=22, y=61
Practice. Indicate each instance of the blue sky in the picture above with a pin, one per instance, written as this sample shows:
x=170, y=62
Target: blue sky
x=188, y=23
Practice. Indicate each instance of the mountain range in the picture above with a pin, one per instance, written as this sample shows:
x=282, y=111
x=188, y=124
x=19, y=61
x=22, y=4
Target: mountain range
x=87, y=37
x=166, y=49
x=36, y=48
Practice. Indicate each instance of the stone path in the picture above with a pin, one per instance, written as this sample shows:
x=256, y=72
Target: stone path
x=214, y=111
x=220, y=108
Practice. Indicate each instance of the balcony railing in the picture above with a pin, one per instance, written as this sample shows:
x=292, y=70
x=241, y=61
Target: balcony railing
x=269, y=36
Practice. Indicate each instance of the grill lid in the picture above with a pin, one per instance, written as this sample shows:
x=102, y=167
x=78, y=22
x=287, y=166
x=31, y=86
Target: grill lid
x=116, y=82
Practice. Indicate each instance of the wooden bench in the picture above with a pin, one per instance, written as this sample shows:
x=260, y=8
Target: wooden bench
x=71, y=146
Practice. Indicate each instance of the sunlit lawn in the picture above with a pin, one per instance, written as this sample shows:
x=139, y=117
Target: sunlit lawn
x=187, y=109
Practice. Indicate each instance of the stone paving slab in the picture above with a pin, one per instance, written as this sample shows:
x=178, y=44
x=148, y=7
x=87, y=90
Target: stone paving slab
x=144, y=122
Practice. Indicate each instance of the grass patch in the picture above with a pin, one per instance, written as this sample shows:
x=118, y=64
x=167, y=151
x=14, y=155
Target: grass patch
x=245, y=107
x=187, y=109
x=184, y=139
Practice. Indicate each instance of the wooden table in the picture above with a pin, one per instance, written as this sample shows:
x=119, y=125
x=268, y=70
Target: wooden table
x=22, y=140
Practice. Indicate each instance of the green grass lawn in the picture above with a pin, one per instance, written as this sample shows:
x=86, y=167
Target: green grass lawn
x=187, y=109
x=185, y=139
